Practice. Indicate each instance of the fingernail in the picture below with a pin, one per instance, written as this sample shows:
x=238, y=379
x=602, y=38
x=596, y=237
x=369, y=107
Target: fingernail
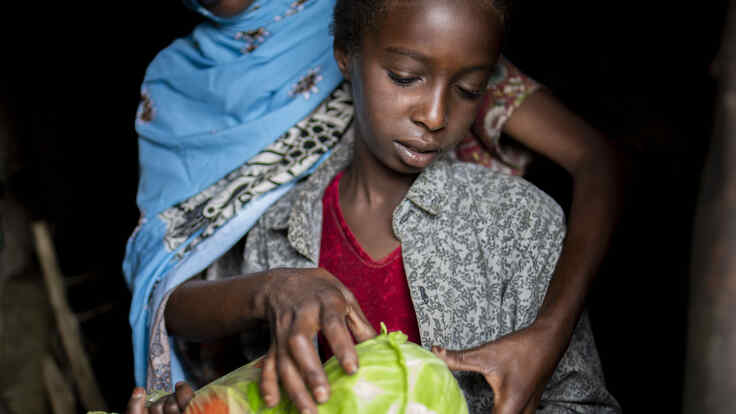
x=268, y=399
x=320, y=393
x=351, y=367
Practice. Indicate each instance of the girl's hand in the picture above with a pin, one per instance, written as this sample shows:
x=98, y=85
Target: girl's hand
x=517, y=367
x=172, y=404
x=298, y=303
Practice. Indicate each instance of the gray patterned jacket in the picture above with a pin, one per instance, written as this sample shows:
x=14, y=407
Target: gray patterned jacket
x=479, y=249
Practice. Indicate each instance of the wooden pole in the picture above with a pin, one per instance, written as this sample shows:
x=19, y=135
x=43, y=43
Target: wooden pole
x=710, y=372
x=59, y=392
x=68, y=326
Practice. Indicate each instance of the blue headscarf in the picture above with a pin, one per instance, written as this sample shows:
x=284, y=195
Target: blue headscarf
x=210, y=102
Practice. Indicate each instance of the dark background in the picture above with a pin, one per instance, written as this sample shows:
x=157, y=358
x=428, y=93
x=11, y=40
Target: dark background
x=637, y=71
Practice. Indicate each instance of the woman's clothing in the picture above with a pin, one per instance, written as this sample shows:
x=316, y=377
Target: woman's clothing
x=217, y=124
x=507, y=90
x=231, y=117
x=378, y=284
x=479, y=249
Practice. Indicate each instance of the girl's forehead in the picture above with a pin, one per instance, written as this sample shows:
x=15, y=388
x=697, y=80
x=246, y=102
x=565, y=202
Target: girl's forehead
x=461, y=24
x=437, y=14
x=385, y=6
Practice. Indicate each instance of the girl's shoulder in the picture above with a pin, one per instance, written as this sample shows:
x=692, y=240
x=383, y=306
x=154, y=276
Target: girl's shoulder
x=489, y=189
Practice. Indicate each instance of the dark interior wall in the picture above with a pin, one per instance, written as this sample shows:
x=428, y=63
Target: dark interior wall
x=638, y=72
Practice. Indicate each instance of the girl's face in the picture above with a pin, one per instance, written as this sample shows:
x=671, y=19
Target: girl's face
x=418, y=77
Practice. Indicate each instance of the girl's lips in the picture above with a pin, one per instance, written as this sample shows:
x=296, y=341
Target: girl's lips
x=413, y=157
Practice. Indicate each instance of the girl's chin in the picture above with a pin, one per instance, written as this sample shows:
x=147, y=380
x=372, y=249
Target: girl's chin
x=412, y=158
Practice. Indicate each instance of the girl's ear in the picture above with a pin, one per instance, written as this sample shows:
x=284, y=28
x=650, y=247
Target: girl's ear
x=342, y=58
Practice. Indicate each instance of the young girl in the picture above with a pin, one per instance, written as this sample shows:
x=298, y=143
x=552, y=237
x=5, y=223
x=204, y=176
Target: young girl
x=452, y=254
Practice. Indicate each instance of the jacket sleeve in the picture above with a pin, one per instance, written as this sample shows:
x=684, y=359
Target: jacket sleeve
x=255, y=258
x=577, y=385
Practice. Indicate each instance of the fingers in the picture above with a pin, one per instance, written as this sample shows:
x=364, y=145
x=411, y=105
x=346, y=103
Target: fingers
x=157, y=407
x=293, y=384
x=337, y=333
x=307, y=362
x=137, y=403
x=467, y=360
x=164, y=405
x=171, y=406
x=504, y=403
x=341, y=342
x=533, y=403
x=480, y=360
x=258, y=362
x=269, y=379
x=358, y=323
x=183, y=395
x=530, y=408
x=356, y=319
x=297, y=310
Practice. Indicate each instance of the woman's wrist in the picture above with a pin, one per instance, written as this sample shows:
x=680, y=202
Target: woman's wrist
x=558, y=318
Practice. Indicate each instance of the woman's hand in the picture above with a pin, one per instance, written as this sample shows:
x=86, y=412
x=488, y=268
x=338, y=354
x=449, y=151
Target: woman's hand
x=517, y=366
x=298, y=303
x=171, y=404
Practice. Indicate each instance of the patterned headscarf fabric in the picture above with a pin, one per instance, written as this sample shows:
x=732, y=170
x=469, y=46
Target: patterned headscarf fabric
x=210, y=102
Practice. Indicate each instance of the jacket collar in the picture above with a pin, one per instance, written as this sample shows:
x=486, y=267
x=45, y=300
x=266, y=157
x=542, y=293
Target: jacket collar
x=300, y=212
x=429, y=190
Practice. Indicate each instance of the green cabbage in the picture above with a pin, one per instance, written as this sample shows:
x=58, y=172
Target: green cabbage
x=395, y=377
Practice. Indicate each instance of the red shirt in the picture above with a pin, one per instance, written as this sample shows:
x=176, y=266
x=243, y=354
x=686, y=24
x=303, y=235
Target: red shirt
x=379, y=286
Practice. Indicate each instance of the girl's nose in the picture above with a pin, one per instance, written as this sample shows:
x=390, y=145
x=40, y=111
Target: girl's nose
x=431, y=112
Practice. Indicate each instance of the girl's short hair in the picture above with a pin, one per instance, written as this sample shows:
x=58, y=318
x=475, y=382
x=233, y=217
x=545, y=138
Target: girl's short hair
x=352, y=17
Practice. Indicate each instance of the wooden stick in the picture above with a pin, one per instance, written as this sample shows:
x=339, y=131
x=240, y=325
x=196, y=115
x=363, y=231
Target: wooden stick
x=58, y=390
x=710, y=372
x=68, y=326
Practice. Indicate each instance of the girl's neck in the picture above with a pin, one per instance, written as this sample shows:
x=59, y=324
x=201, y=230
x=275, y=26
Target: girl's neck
x=370, y=184
x=369, y=194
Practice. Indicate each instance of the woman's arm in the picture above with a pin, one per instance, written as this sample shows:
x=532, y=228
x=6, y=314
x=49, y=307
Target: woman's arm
x=527, y=358
x=518, y=366
x=543, y=124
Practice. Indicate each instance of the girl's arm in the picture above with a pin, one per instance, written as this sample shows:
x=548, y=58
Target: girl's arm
x=199, y=310
x=296, y=304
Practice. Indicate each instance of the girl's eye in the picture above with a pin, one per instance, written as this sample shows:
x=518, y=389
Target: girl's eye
x=402, y=80
x=470, y=94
